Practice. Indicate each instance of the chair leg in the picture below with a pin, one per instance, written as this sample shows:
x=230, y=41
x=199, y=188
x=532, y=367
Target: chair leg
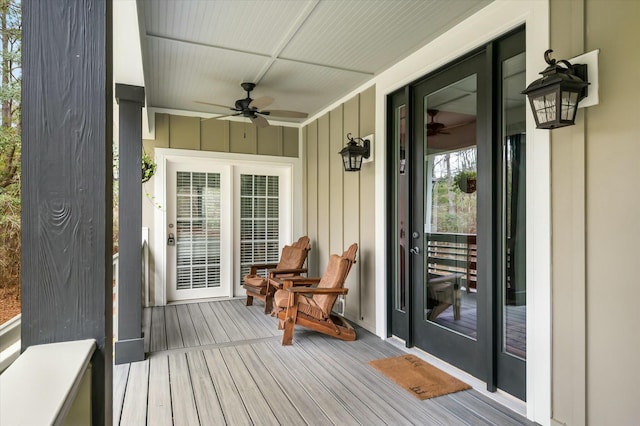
x=287, y=336
x=290, y=320
x=268, y=304
x=249, y=300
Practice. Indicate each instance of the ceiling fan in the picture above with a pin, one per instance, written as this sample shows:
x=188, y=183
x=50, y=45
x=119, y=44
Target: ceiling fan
x=435, y=128
x=252, y=108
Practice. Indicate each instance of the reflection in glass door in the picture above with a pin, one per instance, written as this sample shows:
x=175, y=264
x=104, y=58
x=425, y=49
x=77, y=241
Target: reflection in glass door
x=450, y=317
x=450, y=207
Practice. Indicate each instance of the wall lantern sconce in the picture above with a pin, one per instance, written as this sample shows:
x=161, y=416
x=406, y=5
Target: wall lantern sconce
x=353, y=154
x=554, y=98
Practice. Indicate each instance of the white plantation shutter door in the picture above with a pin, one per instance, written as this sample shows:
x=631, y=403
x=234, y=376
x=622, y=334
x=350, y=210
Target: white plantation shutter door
x=197, y=230
x=259, y=220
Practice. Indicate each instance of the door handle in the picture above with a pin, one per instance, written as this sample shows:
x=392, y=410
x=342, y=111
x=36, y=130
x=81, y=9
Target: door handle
x=415, y=250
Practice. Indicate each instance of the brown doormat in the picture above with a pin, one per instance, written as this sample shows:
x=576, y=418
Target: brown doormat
x=420, y=378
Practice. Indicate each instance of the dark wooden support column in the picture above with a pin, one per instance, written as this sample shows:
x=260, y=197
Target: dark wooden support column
x=67, y=182
x=130, y=344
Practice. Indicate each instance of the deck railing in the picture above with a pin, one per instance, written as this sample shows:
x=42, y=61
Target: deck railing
x=453, y=254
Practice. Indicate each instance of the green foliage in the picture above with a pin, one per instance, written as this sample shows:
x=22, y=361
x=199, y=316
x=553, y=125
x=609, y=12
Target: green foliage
x=10, y=142
x=148, y=167
x=466, y=180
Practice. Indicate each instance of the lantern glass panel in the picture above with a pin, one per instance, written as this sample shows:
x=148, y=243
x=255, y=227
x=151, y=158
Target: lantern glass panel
x=569, y=105
x=545, y=107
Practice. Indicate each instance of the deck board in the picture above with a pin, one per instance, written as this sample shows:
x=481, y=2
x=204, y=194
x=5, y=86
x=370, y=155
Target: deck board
x=222, y=363
x=259, y=409
x=282, y=408
x=134, y=407
x=232, y=405
x=187, y=329
x=159, y=402
x=172, y=325
x=207, y=400
x=228, y=323
x=215, y=326
x=291, y=388
x=182, y=399
x=200, y=325
x=158, y=335
x=120, y=376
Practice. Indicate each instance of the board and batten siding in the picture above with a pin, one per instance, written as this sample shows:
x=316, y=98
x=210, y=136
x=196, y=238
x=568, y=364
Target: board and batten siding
x=183, y=132
x=340, y=206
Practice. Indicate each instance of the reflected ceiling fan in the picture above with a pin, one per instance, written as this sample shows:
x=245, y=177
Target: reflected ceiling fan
x=252, y=108
x=435, y=128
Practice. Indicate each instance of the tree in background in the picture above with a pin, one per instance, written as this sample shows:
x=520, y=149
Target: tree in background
x=11, y=78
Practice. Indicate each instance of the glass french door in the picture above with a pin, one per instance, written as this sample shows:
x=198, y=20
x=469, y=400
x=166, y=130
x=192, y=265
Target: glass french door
x=457, y=278
x=448, y=278
x=198, y=240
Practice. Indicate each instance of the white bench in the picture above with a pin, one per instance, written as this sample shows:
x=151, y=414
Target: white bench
x=48, y=384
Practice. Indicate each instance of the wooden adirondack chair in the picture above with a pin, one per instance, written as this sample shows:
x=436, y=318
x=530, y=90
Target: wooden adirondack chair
x=314, y=312
x=291, y=264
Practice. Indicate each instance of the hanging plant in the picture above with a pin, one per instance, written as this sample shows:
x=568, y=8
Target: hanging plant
x=466, y=181
x=148, y=167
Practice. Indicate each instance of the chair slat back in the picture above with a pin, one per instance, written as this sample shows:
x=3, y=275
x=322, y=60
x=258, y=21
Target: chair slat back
x=334, y=277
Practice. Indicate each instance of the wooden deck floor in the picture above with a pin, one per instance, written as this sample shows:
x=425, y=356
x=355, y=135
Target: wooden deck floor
x=217, y=363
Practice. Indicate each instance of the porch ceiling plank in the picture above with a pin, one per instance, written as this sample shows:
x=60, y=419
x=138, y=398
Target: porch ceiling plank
x=237, y=327
x=267, y=322
x=158, y=337
x=134, y=408
x=297, y=370
x=172, y=324
x=292, y=389
x=182, y=401
x=235, y=412
x=215, y=326
x=120, y=376
x=258, y=407
x=357, y=357
x=202, y=329
x=282, y=408
x=205, y=394
x=187, y=329
x=348, y=376
x=146, y=328
x=159, y=401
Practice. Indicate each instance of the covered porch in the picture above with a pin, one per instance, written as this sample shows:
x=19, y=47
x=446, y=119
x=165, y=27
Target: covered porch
x=221, y=362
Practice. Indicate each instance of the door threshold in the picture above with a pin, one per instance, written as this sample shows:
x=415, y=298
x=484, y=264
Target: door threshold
x=501, y=397
x=203, y=300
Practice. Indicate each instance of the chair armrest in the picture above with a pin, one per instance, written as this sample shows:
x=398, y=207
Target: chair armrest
x=254, y=268
x=274, y=272
x=316, y=290
x=301, y=280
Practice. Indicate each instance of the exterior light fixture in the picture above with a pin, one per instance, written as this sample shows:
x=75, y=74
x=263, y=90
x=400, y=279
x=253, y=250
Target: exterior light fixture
x=554, y=98
x=353, y=153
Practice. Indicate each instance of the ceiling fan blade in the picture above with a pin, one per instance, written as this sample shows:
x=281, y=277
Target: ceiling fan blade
x=220, y=116
x=455, y=126
x=285, y=113
x=261, y=102
x=216, y=105
x=259, y=121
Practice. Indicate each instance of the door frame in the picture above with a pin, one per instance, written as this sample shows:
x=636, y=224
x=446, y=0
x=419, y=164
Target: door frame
x=490, y=23
x=158, y=226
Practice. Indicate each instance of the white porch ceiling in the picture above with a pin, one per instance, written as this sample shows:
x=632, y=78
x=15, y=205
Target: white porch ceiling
x=306, y=54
